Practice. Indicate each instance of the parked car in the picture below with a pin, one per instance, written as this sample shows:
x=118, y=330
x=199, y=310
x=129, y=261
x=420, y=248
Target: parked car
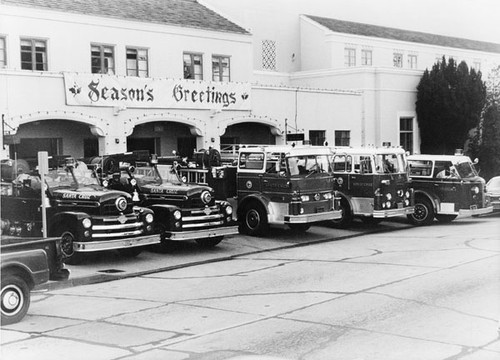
x=26, y=263
x=493, y=191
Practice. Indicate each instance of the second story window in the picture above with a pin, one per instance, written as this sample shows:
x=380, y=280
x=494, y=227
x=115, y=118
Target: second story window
x=342, y=137
x=397, y=60
x=137, y=62
x=317, y=137
x=366, y=57
x=220, y=68
x=3, y=52
x=193, y=66
x=412, y=61
x=102, y=59
x=349, y=57
x=33, y=54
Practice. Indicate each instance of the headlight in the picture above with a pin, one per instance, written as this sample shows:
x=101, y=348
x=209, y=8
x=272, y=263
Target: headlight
x=475, y=190
x=305, y=198
x=133, y=182
x=388, y=204
x=388, y=196
x=407, y=194
x=121, y=203
x=87, y=223
x=149, y=218
x=105, y=183
x=206, y=197
x=177, y=215
x=327, y=196
x=229, y=210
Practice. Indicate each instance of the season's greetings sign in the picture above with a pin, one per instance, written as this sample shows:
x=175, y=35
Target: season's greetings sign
x=135, y=92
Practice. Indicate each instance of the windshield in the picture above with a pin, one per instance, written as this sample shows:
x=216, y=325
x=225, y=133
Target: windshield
x=465, y=169
x=494, y=183
x=308, y=164
x=146, y=175
x=389, y=163
x=76, y=177
x=169, y=174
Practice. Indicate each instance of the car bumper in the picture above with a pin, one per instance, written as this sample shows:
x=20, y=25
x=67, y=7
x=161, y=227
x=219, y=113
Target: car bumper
x=202, y=234
x=475, y=212
x=393, y=212
x=116, y=244
x=311, y=218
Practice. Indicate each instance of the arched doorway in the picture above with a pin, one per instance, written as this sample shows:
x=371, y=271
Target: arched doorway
x=163, y=137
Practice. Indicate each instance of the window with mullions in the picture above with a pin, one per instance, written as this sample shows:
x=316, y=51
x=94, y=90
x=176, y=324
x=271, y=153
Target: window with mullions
x=317, y=137
x=193, y=66
x=349, y=57
x=366, y=57
x=3, y=52
x=342, y=137
x=220, y=68
x=412, y=61
x=406, y=133
x=137, y=62
x=102, y=59
x=33, y=54
x=397, y=60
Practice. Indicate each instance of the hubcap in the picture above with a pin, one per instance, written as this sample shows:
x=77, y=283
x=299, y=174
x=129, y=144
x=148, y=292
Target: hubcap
x=67, y=244
x=420, y=212
x=253, y=219
x=12, y=299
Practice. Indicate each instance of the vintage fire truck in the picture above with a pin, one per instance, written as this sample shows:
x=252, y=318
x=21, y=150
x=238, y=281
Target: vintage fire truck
x=183, y=211
x=86, y=216
x=372, y=183
x=446, y=186
x=284, y=185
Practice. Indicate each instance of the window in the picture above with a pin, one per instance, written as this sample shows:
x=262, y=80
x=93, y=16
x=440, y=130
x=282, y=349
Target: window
x=137, y=62
x=406, y=133
x=33, y=54
x=3, y=53
x=366, y=57
x=350, y=57
x=103, y=59
x=193, y=66
x=220, y=68
x=412, y=61
x=269, y=54
x=342, y=137
x=397, y=60
x=317, y=137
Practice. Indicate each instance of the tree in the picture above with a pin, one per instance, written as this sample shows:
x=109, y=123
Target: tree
x=485, y=144
x=450, y=99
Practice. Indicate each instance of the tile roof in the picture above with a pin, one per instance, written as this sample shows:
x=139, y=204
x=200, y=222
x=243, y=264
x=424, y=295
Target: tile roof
x=185, y=13
x=354, y=28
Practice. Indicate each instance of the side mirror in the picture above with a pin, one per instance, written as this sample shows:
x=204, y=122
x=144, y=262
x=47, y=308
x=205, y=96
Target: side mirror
x=476, y=161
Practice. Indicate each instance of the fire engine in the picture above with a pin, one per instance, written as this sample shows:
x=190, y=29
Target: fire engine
x=182, y=211
x=276, y=185
x=86, y=216
x=446, y=186
x=372, y=183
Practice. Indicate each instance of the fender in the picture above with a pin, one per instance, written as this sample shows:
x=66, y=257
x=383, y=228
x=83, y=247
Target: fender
x=260, y=198
x=432, y=198
x=346, y=198
x=70, y=218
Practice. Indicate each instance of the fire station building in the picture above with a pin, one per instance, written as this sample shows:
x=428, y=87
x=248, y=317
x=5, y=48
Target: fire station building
x=87, y=78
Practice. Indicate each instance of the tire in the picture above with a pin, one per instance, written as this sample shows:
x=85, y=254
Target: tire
x=299, y=228
x=209, y=242
x=70, y=256
x=130, y=252
x=15, y=298
x=346, y=219
x=424, y=212
x=254, y=220
x=442, y=218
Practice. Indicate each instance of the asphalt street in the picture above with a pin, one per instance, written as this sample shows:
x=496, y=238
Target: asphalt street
x=389, y=292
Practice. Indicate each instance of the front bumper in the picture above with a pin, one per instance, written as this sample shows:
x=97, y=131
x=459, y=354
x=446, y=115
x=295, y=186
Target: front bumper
x=393, y=212
x=311, y=218
x=116, y=244
x=201, y=234
x=476, y=211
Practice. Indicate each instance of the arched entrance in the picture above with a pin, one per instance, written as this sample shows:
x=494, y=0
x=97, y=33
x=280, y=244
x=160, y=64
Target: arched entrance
x=162, y=137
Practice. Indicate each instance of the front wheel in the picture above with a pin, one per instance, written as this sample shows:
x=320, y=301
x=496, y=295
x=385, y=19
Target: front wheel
x=15, y=298
x=70, y=256
x=209, y=242
x=254, y=221
x=346, y=217
x=423, y=214
x=442, y=218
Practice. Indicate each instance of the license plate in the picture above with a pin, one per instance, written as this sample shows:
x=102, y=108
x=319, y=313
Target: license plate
x=321, y=209
x=400, y=205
